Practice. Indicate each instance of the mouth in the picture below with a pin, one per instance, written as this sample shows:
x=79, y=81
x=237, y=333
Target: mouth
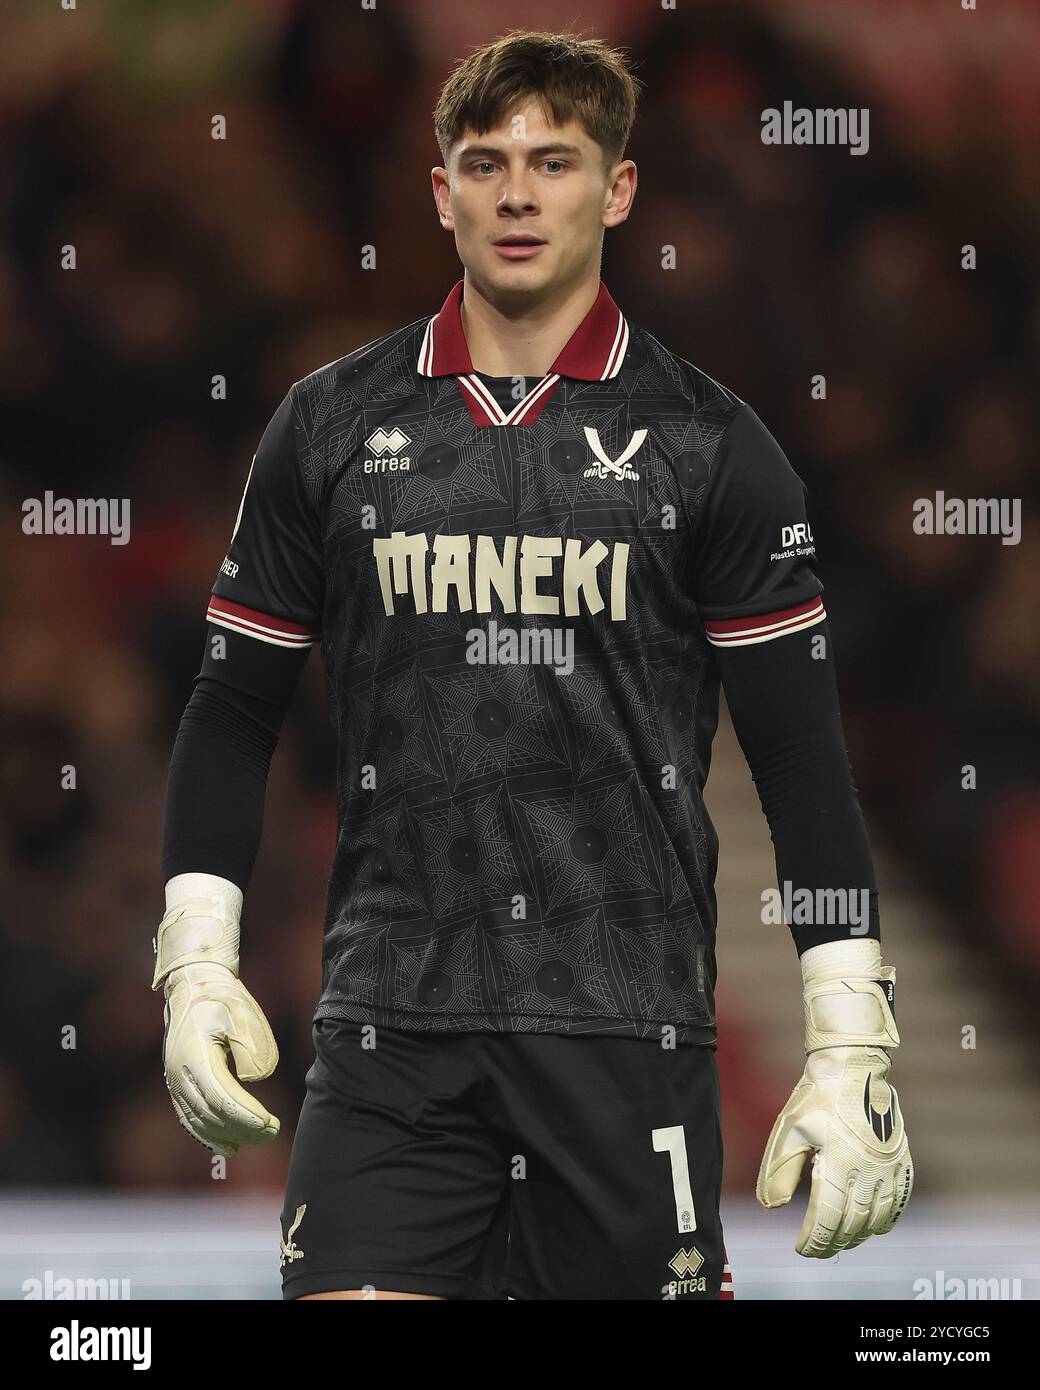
x=518, y=246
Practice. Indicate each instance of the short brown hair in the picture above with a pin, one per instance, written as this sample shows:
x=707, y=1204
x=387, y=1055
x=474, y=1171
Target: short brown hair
x=574, y=78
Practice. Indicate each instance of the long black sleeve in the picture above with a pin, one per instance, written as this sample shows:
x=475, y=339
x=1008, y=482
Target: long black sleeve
x=783, y=698
x=221, y=758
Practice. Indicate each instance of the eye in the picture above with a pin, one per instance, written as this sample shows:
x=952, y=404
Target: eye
x=556, y=161
x=483, y=164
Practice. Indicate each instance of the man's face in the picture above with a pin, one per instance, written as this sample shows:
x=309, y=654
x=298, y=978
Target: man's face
x=529, y=179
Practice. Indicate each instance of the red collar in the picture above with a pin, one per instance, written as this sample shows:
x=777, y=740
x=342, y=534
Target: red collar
x=593, y=352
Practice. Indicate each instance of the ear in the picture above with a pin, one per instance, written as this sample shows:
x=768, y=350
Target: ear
x=442, y=195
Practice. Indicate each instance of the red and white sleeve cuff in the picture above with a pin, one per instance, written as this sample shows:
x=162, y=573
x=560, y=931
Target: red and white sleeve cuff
x=278, y=631
x=763, y=627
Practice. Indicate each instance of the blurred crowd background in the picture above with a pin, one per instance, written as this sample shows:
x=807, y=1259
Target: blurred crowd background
x=242, y=258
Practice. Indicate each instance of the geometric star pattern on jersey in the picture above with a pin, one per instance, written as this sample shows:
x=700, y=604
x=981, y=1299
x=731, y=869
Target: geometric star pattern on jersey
x=388, y=879
x=667, y=975
x=589, y=845
x=377, y=641
x=647, y=631
x=492, y=719
x=467, y=852
x=549, y=471
x=329, y=403
x=601, y=718
x=555, y=970
x=657, y=552
x=348, y=502
x=689, y=845
x=437, y=971
x=394, y=729
x=357, y=967
x=392, y=372
x=450, y=478
x=674, y=697
x=388, y=643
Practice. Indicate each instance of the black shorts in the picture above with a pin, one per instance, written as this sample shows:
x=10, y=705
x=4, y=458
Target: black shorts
x=488, y=1165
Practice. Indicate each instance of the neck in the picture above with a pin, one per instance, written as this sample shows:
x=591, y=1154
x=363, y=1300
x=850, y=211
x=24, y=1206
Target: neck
x=525, y=341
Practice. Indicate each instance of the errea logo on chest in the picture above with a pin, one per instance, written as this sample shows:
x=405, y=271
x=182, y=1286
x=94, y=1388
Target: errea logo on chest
x=387, y=446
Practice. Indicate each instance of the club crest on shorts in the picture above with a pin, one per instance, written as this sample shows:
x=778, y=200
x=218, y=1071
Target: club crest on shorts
x=290, y=1250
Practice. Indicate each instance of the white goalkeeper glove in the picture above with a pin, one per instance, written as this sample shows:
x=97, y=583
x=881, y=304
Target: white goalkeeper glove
x=209, y=1013
x=843, y=1110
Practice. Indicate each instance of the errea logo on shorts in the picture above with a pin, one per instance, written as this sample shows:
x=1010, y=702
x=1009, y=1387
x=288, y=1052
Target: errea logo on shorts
x=388, y=446
x=685, y=1264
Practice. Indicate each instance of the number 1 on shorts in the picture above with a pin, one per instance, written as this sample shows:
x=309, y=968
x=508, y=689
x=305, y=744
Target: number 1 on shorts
x=672, y=1141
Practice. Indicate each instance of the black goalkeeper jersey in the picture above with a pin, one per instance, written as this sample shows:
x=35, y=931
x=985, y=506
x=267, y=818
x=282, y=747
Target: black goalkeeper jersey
x=517, y=586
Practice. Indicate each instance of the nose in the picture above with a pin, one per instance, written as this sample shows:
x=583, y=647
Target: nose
x=516, y=192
